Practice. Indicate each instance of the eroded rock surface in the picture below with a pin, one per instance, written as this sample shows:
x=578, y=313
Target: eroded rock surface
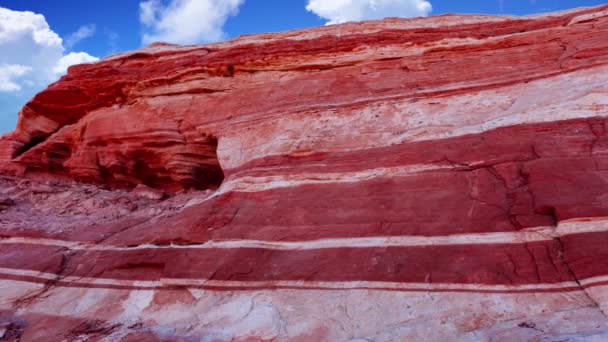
x=429, y=179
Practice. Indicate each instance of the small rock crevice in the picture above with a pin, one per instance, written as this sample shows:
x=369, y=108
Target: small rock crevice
x=521, y=183
x=564, y=261
x=59, y=273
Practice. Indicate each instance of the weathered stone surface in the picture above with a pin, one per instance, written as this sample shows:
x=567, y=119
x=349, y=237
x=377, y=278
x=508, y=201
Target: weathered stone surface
x=5, y=202
x=438, y=179
x=147, y=192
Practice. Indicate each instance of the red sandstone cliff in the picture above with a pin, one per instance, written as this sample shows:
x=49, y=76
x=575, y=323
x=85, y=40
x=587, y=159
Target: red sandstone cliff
x=438, y=178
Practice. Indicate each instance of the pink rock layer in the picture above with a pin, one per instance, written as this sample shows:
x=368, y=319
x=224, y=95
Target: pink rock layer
x=438, y=178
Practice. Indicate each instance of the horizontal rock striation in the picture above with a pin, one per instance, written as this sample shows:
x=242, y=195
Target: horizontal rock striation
x=437, y=178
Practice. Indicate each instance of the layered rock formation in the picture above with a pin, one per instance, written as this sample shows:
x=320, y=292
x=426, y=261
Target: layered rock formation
x=439, y=179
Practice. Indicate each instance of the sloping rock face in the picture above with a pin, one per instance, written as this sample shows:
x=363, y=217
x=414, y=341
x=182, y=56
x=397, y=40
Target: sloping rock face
x=428, y=179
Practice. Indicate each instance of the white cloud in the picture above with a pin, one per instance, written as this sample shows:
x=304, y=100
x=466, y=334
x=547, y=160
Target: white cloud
x=340, y=11
x=148, y=12
x=70, y=59
x=82, y=33
x=32, y=54
x=186, y=21
x=9, y=73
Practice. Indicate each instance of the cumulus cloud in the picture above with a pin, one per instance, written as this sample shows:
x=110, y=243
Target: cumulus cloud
x=82, y=33
x=32, y=54
x=70, y=59
x=9, y=73
x=341, y=11
x=185, y=21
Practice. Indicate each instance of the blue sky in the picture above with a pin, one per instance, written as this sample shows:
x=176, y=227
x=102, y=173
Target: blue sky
x=94, y=29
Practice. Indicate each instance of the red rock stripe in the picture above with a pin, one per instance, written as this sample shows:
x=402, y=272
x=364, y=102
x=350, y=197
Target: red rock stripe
x=440, y=203
x=349, y=42
x=573, y=138
x=587, y=254
x=88, y=285
x=504, y=264
x=431, y=204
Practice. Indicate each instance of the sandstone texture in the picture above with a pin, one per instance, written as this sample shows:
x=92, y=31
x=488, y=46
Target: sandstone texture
x=436, y=179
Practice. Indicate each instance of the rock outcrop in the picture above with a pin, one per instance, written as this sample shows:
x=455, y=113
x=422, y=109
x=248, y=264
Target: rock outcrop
x=439, y=178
